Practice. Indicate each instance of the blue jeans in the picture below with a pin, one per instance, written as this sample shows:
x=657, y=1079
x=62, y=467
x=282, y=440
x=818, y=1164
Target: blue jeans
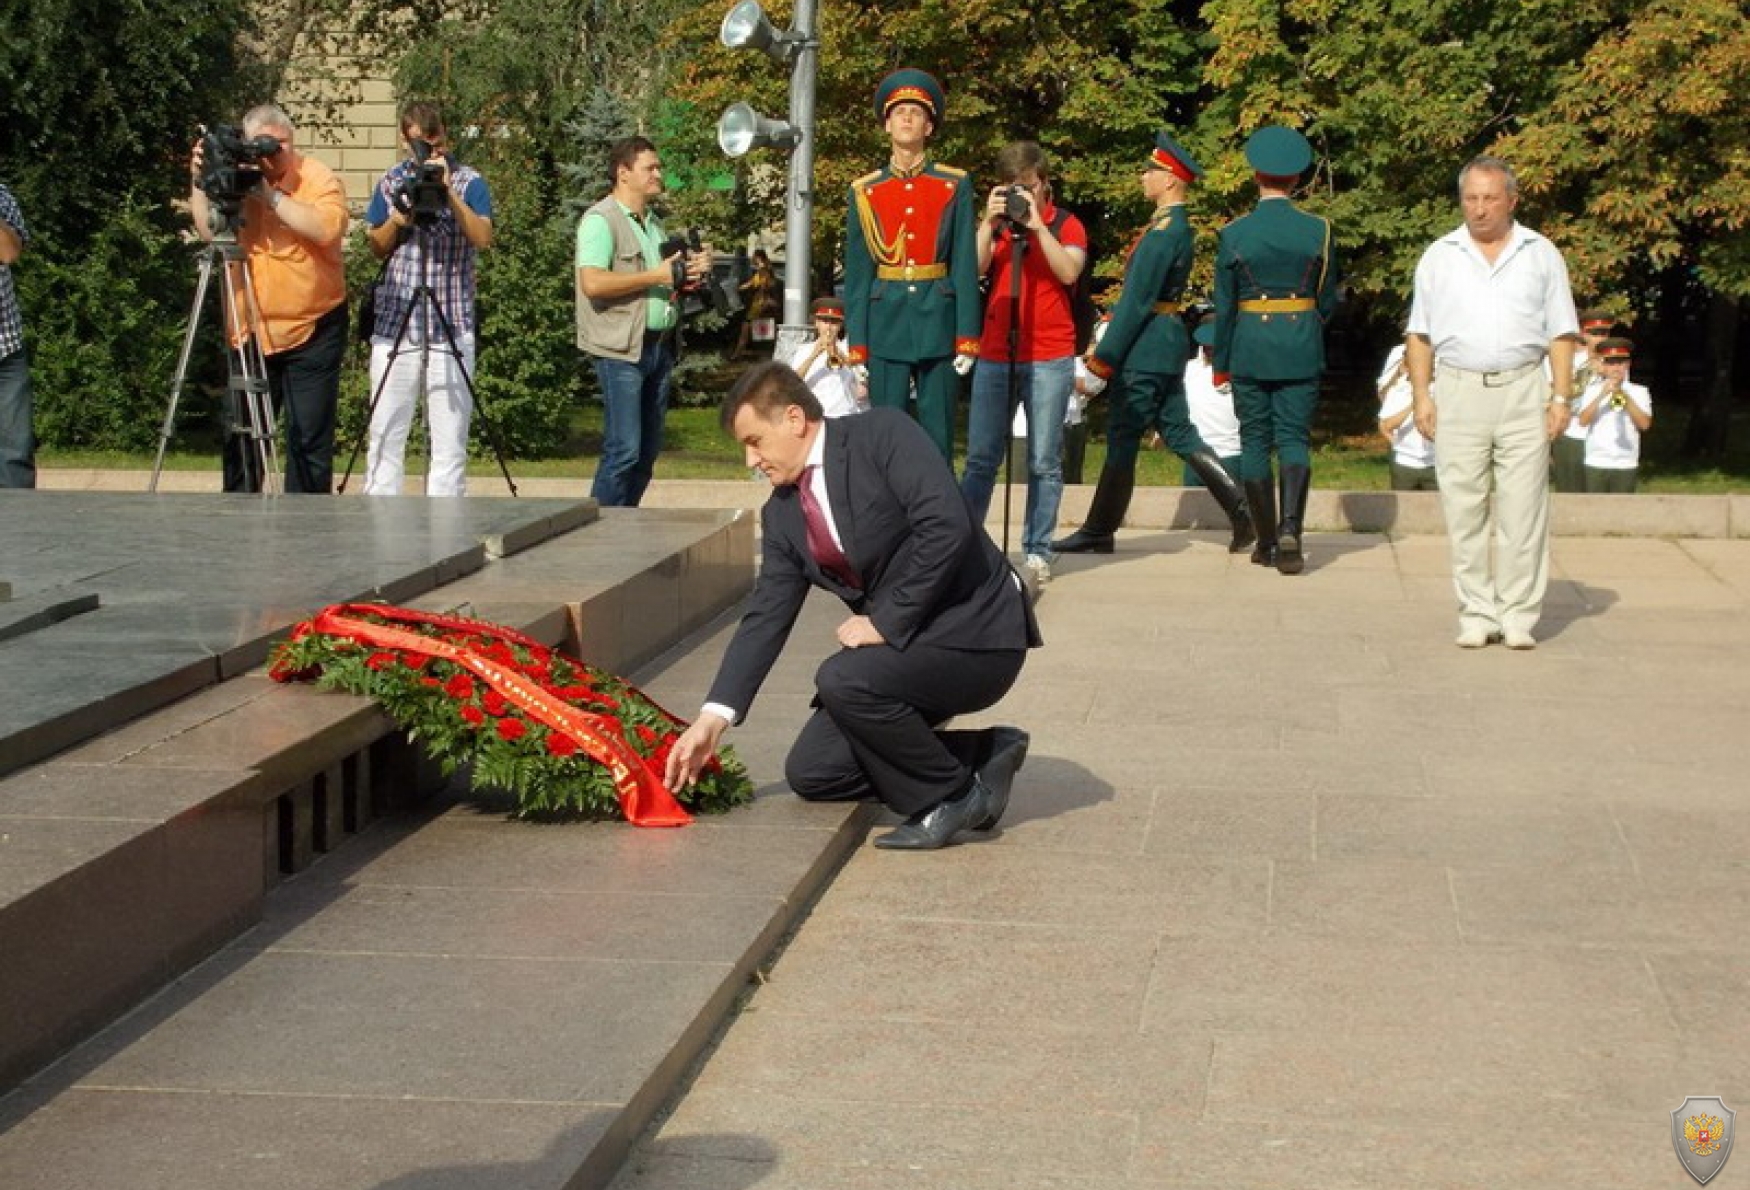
x=17, y=441
x=636, y=396
x=1045, y=387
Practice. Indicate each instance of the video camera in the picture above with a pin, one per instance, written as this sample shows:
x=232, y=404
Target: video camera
x=423, y=194
x=230, y=169
x=707, y=292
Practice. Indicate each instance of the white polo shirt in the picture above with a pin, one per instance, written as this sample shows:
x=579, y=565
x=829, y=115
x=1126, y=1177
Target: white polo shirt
x=1612, y=441
x=1486, y=317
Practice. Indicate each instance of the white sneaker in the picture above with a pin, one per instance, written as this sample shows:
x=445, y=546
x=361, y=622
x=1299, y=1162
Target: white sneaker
x=1039, y=568
x=1519, y=639
x=1475, y=636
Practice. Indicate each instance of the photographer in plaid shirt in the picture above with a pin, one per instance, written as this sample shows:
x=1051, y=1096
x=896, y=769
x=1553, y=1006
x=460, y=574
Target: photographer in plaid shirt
x=17, y=445
x=460, y=231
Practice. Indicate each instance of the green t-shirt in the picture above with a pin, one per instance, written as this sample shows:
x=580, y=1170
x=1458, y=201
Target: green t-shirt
x=595, y=250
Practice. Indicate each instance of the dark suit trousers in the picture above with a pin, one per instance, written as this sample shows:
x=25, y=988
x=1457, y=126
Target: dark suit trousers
x=874, y=732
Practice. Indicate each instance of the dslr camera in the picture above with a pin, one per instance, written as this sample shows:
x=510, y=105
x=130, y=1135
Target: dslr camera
x=230, y=169
x=1016, y=202
x=423, y=193
x=707, y=292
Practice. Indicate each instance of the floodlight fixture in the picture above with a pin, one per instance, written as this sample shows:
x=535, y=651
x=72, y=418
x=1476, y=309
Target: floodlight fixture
x=740, y=129
x=746, y=27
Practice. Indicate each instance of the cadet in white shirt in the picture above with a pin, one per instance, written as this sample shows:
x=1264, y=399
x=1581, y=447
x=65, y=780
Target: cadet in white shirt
x=1615, y=412
x=825, y=365
x=1412, y=456
x=1211, y=406
x=1568, y=453
x=1492, y=301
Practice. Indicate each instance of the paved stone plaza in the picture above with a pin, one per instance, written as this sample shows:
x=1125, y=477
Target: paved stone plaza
x=1293, y=894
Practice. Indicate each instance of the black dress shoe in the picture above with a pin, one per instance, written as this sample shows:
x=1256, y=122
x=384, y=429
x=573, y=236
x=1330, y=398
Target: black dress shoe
x=1083, y=542
x=1264, y=554
x=1008, y=752
x=1243, y=537
x=936, y=827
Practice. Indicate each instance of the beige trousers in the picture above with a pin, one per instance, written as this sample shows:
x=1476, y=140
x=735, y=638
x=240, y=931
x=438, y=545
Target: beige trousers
x=1489, y=440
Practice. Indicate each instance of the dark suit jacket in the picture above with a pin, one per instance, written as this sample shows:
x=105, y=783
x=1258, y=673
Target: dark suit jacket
x=930, y=575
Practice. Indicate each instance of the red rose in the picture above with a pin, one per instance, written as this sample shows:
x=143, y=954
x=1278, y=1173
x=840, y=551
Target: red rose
x=380, y=660
x=432, y=682
x=560, y=744
x=460, y=686
x=472, y=716
x=645, y=734
x=415, y=660
x=512, y=729
x=494, y=702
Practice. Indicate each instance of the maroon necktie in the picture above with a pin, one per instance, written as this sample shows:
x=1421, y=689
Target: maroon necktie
x=820, y=543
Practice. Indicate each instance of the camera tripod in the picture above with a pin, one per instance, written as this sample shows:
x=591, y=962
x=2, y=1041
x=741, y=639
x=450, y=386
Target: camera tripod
x=1017, y=250
x=250, y=404
x=424, y=298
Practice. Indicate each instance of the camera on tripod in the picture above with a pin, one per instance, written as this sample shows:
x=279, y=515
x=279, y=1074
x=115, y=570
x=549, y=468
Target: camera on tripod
x=706, y=293
x=423, y=194
x=230, y=169
x=1016, y=204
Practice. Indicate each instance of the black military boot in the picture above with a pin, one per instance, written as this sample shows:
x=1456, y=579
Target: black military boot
x=1261, y=500
x=1227, y=493
x=1105, y=513
x=1296, y=480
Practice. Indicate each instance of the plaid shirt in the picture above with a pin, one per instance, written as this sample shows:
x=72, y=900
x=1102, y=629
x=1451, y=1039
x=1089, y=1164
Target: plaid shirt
x=452, y=265
x=11, y=321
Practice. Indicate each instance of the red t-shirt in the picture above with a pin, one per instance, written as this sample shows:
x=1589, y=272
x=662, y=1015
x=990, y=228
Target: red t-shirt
x=1048, y=328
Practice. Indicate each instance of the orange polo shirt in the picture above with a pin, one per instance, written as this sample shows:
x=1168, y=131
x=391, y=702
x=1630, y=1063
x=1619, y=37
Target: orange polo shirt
x=297, y=280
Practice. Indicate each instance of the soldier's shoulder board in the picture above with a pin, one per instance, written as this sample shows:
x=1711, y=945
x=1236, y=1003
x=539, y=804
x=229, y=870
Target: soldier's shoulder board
x=869, y=179
x=948, y=170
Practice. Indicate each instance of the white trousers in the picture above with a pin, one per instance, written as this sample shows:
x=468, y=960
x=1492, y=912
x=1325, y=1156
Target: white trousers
x=1489, y=439
x=447, y=412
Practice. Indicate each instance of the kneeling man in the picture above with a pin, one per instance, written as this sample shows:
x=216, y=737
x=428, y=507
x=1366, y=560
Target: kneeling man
x=939, y=622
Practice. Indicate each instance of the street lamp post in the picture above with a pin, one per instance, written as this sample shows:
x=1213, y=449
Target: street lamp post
x=741, y=129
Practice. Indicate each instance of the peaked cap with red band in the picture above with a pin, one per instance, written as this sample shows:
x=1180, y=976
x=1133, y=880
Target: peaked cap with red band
x=909, y=85
x=1170, y=155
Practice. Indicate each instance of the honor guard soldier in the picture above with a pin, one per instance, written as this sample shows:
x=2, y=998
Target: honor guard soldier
x=1568, y=451
x=911, y=264
x=1145, y=348
x=1275, y=288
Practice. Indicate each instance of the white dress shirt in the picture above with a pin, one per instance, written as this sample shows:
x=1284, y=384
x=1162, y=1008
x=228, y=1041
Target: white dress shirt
x=1484, y=317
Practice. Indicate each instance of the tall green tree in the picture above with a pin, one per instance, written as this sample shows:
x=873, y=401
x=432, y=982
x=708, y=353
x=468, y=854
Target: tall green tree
x=1644, y=154
x=102, y=102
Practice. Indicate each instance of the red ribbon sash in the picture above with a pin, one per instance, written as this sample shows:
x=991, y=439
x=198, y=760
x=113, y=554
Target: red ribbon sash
x=644, y=799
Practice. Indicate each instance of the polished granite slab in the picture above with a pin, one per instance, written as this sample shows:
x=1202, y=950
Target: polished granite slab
x=122, y=603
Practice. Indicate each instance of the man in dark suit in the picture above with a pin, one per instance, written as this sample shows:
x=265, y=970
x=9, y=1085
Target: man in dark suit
x=1276, y=286
x=939, y=623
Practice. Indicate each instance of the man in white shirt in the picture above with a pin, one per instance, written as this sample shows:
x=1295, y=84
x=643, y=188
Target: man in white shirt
x=1492, y=302
x=1615, y=412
